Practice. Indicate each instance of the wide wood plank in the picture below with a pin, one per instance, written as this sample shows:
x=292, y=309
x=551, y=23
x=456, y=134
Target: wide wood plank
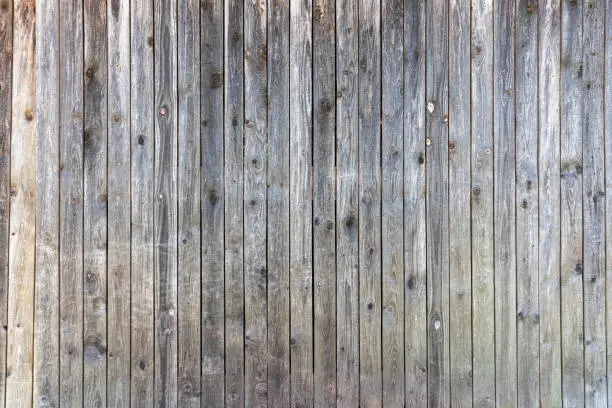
x=483, y=319
x=255, y=169
x=212, y=202
x=415, y=266
x=300, y=206
x=593, y=204
x=94, y=204
x=118, y=203
x=370, y=255
x=324, y=229
x=142, y=158
x=71, y=203
x=572, y=352
x=392, y=50
x=189, y=233
x=22, y=240
x=549, y=202
x=347, y=206
x=436, y=93
x=504, y=160
x=278, y=204
x=460, y=264
x=165, y=221
x=526, y=88
x=234, y=202
x=46, y=313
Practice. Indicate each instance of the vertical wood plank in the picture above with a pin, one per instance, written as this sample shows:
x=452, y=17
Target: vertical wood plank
x=549, y=201
x=6, y=44
x=415, y=274
x=526, y=85
x=71, y=203
x=189, y=246
x=255, y=185
x=165, y=222
x=234, y=202
x=212, y=202
x=438, y=379
x=324, y=229
x=119, y=220
x=142, y=157
x=482, y=204
x=392, y=52
x=22, y=240
x=300, y=207
x=608, y=188
x=370, y=301
x=572, y=352
x=460, y=300
x=94, y=204
x=46, y=314
x=278, y=204
x=595, y=387
x=504, y=180
x=347, y=205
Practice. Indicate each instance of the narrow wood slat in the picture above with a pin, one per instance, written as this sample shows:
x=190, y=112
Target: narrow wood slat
x=504, y=180
x=94, y=205
x=46, y=313
x=22, y=192
x=278, y=204
x=460, y=264
x=255, y=186
x=142, y=324
x=300, y=204
x=549, y=202
x=165, y=221
x=483, y=327
x=608, y=188
x=526, y=88
x=234, y=201
x=572, y=352
x=324, y=214
x=212, y=202
x=189, y=233
x=593, y=204
x=370, y=299
x=119, y=220
x=392, y=53
x=438, y=376
x=347, y=205
x=415, y=273
x=71, y=203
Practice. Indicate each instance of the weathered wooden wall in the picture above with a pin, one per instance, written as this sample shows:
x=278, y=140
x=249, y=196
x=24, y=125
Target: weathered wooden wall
x=305, y=203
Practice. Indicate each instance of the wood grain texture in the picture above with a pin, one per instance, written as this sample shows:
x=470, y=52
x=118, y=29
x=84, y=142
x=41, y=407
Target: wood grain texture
x=278, y=204
x=526, y=85
x=572, y=101
x=392, y=195
x=71, y=203
x=189, y=232
x=460, y=264
x=608, y=187
x=347, y=205
x=300, y=203
x=22, y=202
x=483, y=303
x=324, y=213
x=436, y=205
x=415, y=266
x=142, y=324
x=95, y=142
x=46, y=312
x=212, y=202
x=118, y=206
x=549, y=193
